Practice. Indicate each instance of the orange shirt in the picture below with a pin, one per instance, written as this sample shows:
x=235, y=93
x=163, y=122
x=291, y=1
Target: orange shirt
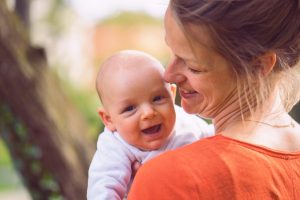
x=219, y=168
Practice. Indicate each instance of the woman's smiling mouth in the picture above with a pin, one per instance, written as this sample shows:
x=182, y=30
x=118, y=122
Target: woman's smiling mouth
x=187, y=94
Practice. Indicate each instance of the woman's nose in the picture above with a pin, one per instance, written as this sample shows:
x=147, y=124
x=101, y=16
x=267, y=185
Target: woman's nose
x=148, y=112
x=173, y=74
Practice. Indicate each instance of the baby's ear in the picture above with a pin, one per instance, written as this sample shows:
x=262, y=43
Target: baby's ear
x=173, y=90
x=106, y=119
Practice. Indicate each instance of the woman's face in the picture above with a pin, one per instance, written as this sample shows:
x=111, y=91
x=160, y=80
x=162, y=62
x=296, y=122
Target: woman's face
x=206, y=83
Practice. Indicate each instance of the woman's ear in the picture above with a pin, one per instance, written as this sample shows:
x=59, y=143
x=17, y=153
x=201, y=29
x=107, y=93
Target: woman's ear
x=106, y=119
x=173, y=90
x=267, y=62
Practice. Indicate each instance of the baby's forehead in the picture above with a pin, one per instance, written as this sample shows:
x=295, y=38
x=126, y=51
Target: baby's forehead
x=137, y=61
x=128, y=66
x=133, y=65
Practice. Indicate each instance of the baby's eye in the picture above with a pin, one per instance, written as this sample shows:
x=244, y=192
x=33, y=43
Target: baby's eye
x=158, y=98
x=128, y=109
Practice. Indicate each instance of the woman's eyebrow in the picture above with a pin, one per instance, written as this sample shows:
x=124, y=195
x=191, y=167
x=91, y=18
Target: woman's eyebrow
x=183, y=57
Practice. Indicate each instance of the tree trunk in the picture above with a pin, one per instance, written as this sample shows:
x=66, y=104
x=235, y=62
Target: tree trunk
x=44, y=133
x=22, y=10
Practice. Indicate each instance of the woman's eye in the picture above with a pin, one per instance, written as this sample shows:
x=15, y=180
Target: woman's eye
x=128, y=109
x=194, y=70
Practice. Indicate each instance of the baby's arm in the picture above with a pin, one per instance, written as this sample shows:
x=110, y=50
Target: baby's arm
x=110, y=169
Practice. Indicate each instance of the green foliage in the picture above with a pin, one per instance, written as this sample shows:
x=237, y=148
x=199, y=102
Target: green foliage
x=8, y=178
x=26, y=158
x=55, y=15
x=87, y=103
x=4, y=155
x=48, y=182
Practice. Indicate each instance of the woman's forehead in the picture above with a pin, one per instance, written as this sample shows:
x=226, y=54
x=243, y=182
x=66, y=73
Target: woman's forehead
x=180, y=45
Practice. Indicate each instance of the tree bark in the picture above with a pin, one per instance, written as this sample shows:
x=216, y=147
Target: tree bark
x=44, y=133
x=22, y=10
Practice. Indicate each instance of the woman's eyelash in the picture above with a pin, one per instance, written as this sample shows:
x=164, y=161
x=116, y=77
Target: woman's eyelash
x=193, y=70
x=189, y=67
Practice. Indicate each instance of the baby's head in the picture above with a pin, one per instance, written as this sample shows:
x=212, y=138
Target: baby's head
x=136, y=101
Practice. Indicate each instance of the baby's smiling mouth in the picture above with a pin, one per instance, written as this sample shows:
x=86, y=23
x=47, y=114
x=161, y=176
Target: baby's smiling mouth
x=152, y=129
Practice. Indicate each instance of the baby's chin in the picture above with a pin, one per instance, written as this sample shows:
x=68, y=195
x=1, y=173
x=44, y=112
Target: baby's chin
x=152, y=146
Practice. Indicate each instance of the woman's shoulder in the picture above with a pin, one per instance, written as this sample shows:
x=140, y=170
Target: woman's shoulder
x=205, y=156
x=182, y=158
x=206, y=165
x=174, y=174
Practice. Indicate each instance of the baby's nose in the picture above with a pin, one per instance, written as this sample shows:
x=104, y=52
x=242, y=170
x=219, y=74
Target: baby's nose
x=148, y=112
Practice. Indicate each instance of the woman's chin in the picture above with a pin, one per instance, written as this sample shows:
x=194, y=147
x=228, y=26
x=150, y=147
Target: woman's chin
x=191, y=109
x=195, y=109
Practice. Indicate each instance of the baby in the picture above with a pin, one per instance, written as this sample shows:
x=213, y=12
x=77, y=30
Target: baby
x=139, y=115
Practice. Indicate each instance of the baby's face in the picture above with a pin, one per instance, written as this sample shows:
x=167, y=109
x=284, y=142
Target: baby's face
x=141, y=107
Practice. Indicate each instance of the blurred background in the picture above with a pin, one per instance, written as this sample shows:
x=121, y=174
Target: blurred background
x=50, y=52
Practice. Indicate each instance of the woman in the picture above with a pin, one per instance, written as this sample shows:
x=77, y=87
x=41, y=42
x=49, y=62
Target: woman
x=234, y=62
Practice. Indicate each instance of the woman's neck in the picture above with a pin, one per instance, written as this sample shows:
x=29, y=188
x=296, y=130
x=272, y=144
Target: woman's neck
x=235, y=112
x=232, y=112
x=270, y=126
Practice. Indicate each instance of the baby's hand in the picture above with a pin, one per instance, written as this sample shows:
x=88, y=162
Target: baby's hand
x=134, y=167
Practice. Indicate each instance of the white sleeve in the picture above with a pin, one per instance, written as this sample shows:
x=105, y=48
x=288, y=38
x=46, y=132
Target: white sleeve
x=191, y=123
x=110, y=169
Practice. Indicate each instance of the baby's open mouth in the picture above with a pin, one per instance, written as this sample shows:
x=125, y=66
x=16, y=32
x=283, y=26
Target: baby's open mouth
x=152, y=129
